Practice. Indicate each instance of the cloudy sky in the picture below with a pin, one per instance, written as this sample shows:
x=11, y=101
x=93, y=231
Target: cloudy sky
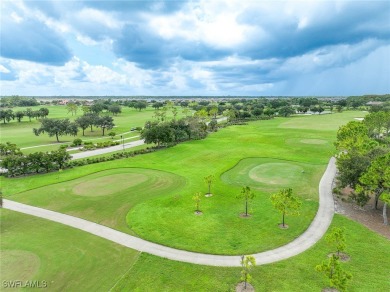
x=234, y=47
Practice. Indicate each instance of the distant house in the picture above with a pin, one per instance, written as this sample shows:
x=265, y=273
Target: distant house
x=63, y=102
x=374, y=103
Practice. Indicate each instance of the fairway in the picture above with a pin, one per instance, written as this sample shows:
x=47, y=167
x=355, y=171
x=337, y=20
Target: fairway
x=150, y=196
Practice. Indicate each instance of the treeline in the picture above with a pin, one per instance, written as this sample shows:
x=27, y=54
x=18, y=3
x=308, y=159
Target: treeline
x=17, y=164
x=8, y=114
x=13, y=101
x=364, y=160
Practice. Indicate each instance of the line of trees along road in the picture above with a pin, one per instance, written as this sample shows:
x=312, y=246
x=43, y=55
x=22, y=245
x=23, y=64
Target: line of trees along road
x=63, y=127
x=18, y=164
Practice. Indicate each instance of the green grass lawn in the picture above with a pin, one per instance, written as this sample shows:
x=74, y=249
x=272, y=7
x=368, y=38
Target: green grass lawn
x=167, y=216
x=22, y=133
x=67, y=259
x=72, y=260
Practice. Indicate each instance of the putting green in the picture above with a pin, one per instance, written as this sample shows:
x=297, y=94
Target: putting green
x=275, y=173
x=269, y=174
x=313, y=141
x=20, y=265
x=109, y=184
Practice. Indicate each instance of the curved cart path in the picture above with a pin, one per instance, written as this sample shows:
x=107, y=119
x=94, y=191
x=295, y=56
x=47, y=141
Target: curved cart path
x=306, y=240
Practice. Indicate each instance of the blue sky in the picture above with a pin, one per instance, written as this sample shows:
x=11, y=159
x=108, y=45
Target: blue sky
x=195, y=47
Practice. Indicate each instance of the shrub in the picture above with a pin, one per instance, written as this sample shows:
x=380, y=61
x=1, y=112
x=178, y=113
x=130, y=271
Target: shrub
x=77, y=142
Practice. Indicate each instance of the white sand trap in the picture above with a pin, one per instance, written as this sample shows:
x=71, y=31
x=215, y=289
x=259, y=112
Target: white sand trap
x=359, y=119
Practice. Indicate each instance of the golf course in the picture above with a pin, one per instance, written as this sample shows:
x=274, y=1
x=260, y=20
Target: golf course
x=151, y=197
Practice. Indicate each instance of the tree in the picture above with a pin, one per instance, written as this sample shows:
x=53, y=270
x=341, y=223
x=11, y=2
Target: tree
x=213, y=111
x=230, y=114
x=60, y=157
x=72, y=107
x=84, y=122
x=353, y=136
x=6, y=115
x=114, y=109
x=376, y=180
x=336, y=238
x=30, y=113
x=209, y=180
x=96, y=108
x=57, y=128
x=158, y=133
x=247, y=262
x=43, y=112
x=286, y=111
x=105, y=122
x=86, y=109
x=197, y=198
x=286, y=203
x=19, y=115
x=140, y=105
x=269, y=112
x=247, y=195
x=338, y=278
x=385, y=198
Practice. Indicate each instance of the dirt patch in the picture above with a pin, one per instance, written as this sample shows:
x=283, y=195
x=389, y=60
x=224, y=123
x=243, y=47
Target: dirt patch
x=342, y=256
x=367, y=215
x=328, y=289
x=208, y=195
x=241, y=287
x=283, y=227
x=198, y=213
x=243, y=215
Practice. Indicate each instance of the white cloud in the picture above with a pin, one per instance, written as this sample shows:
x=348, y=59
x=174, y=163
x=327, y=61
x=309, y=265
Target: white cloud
x=3, y=69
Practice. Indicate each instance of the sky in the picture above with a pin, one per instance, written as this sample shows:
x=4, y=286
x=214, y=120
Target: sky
x=195, y=48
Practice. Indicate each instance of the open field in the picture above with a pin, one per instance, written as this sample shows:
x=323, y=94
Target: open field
x=166, y=216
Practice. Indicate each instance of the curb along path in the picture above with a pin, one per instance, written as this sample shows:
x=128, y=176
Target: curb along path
x=316, y=230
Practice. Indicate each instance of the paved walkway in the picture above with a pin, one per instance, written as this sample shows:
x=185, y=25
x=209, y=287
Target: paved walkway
x=306, y=240
x=90, y=153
